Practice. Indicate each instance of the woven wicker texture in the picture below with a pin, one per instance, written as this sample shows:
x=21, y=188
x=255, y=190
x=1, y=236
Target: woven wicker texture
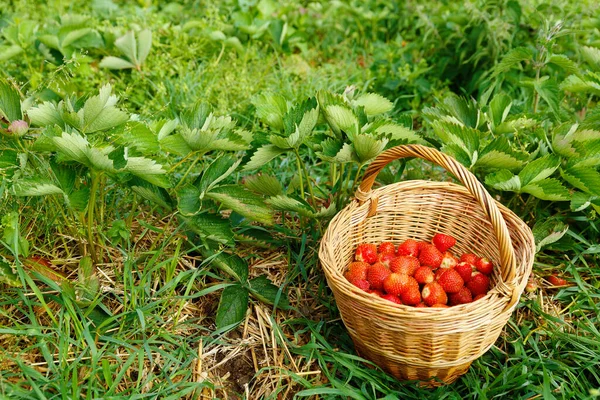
x=435, y=345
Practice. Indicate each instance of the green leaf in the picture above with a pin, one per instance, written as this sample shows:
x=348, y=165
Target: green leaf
x=499, y=108
x=12, y=237
x=144, y=45
x=262, y=156
x=286, y=203
x=334, y=150
x=564, y=62
x=580, y=201
x=539, y=169
x=499, y=154
x=549, y=91
x=400, y=133
x=270, y=109
x=175, y=144
x=139, y=136
x=548, y=231
x=591, y=55
x=463, y=137
x=78, y=199
x=217, y=171
x=512, y=59
x=576, y=84
x=583, y=178
x=367, y=147
x=503, y=180
x=10, y=102
x=210, y=227
x=74, y=147
x=374, y=104
x=242, y=201
x=8, y=52
x=151, y=193
x=231, y=264
x=99, y=112
x=149, y=170
x=341, y=118
x=127, y=45
x=188, y=200
x=111, y=62
x=548, y=189
x=45, y=114
x=267, y=185
x=264, y=290
x=8, y=275
x=232, y=307
x=36, y=187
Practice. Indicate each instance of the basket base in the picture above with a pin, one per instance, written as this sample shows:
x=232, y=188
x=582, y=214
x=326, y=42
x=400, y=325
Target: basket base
x=427, y=377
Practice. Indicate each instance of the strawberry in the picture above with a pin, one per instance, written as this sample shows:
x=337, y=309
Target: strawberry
x=443, y=242
x=555, y=280
x=479, y=296
x=387, y=248
x=396, y=283
x=361, y=284
x=430, y=256
x=470, y=258
x=465, y=270
x=479, y=283
x=433, y=293
x=385, y=258
x=532, y=285
x=377, y=293
x=392, y=298
x=357, y=270
x=424, y=275
x=448, y=260
x=409, y=247
x=421, y=305
x=411, y=296
x=366, y=252
x=463, y=296
x=404, y=265
x=450, y=281
x=484, y=266
x=376, y=274
x=440, y=305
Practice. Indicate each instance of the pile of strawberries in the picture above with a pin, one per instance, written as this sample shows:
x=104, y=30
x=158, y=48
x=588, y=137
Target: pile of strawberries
x=420, y=274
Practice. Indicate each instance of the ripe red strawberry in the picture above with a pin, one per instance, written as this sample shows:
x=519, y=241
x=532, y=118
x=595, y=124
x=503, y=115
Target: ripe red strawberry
x=357, y=270
x=433, y=293
x=479, y=283
x=376, y=274
x=430, y=256
x=448, y=260
x=443, y=242
x=411, y=296
x=484, y=266
x=397, y=284
x=556, y=281
x=463, y=296
x=450, y=281
x=404, y=265
x=424, y=275
x=361, y=284
x=409, y=247
x=385, y=258
x=470, y=258
x=366, y=252
x=421, y=305
x=440, y=305
x=377, y=293
x=479, y=296
x=387, y=248
x=392, y=298
x=465, y=270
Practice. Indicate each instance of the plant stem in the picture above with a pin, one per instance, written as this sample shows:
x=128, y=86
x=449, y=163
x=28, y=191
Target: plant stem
x=187, y=172
x=299, y=167
x=90, y=216
x=308, y=184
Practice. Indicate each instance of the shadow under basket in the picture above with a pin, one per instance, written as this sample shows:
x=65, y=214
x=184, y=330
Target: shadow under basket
x=432, y=345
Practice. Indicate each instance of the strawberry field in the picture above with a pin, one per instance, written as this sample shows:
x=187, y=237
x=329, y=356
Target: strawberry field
x=169, y=171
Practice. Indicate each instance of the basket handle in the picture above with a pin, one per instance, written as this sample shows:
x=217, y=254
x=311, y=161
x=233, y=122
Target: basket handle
x=507, y=255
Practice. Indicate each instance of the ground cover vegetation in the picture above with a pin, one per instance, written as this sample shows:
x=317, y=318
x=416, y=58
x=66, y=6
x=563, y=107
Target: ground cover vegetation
x=168, y=169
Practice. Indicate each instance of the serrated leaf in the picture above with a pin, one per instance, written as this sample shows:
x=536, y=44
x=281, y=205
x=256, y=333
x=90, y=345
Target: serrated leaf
x=10, y=102
x=231, y=264
x=74, y=36
x=512, y=59
x=462, y=110
x=503, y=180
x=8, y=275
x=151, y=193
x=341, y=118
x=499, y=154
x=499, y=108
x=264, y=290
x=564, y=62
x=396, y=132
x=262, y=156
x=149, y=170
x=74, y=147
x=585, y=179
x=549, y=91
x=286, y=203
x=45, y=114
x=8, y=52
x=264, y=184
x=548, y=189
x=334, y=150
x=463, y=137
x=144, y=45
x=139, y=136
x=539, y=169
x=242, y=201
x=580, y=201
x=78, y=199
x=367, y=147
x=548, y=231
x=127, y=45
x=65, y=175
x=270, y=109
x=112, y=62
x=591, y=55
x=99, y=112
x=175, y=144
x=36, y=187
x=374, y=104
x=576, y=84
x=166, y=128
x=210, y=227
x=188, y=200
x=217, y=171
x=232, y=307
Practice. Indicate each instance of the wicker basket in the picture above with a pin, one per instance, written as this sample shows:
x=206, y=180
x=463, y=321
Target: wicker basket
x=433, y=345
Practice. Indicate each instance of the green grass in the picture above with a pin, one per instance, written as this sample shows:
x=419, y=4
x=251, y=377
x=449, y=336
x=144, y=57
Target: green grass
x=150, y=331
